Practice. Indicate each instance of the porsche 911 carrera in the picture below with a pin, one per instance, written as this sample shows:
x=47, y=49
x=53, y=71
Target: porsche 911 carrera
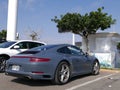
x=57, y=63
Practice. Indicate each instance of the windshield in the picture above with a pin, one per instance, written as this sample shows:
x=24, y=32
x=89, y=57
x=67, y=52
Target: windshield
x=6, y=44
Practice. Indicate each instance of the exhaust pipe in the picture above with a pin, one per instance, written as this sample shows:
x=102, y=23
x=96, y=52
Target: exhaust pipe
x=28, y=77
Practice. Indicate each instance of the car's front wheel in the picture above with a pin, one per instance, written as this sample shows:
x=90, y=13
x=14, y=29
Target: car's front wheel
x=62, y=74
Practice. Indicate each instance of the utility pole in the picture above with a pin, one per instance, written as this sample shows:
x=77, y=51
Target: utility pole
x=73, y=39
x=12, y=19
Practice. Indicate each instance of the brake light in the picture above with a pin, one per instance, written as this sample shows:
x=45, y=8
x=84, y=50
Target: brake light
x=33, y=59
x=39, y=59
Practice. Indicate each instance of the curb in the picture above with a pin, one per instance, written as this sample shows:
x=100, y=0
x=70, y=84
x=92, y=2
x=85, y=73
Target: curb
x=110, y=70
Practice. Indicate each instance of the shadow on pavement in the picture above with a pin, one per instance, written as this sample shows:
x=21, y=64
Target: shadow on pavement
x=79, y=77
x=32, y=82
x=43, y=82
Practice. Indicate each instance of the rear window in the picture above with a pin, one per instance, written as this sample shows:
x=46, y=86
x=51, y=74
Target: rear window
x=38, y=49
x=30, y=52
x=43, y=48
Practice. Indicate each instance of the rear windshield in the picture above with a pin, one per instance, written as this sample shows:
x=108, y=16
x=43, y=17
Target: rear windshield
x=38, y=49
x=43, y=48
x=29, y=52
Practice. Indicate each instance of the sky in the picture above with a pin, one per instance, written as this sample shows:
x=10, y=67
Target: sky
x=36, y=15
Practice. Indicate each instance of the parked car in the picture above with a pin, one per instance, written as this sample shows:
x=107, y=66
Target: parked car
x=10, y=48
x=52, y=62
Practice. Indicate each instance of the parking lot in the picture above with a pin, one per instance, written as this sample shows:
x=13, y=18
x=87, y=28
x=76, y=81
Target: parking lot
x=106, y=80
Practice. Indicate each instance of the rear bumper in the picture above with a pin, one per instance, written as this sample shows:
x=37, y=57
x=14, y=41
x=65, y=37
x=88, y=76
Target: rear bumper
x=30, y=70
x=29, y=75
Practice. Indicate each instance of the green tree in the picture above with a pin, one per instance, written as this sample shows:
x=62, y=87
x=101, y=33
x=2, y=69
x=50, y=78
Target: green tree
x=3, y=34
x=84, y=25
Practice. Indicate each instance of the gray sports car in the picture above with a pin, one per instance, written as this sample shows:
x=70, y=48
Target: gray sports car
x=52, y=62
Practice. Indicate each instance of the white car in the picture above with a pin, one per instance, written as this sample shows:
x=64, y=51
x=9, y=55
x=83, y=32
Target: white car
x=10, y=48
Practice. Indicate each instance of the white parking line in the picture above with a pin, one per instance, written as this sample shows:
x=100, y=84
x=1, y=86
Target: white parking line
x=89, y=82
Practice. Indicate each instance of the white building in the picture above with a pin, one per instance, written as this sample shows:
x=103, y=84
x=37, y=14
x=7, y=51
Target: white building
x=103, y=46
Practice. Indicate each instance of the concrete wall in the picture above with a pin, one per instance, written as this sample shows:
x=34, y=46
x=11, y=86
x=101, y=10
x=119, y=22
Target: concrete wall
x=103, y=42
x=104, y=46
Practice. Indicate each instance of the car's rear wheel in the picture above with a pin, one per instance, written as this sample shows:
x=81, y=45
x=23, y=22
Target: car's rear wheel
x=62, y=73
x=2, y=63
x=96, y=68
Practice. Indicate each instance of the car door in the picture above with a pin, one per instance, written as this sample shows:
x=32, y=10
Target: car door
x=80, y=61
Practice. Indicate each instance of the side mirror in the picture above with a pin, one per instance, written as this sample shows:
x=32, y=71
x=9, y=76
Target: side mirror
x=16, y=47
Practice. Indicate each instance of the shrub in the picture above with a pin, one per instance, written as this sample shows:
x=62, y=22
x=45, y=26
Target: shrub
x=118, y=45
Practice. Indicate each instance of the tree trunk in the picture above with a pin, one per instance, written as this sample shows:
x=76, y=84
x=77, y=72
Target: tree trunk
x=85, y=43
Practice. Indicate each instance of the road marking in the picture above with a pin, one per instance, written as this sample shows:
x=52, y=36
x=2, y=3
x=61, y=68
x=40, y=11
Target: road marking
x=89, y=82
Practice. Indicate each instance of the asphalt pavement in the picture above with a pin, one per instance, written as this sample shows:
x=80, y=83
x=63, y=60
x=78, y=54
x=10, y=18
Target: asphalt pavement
x=106, y=80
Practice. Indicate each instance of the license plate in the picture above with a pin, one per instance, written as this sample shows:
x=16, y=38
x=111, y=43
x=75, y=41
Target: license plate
x=16, y=67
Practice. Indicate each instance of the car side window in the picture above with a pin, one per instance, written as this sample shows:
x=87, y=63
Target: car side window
x=64, y=50
x=34, y=44
x=75, y=51
x=23, y=45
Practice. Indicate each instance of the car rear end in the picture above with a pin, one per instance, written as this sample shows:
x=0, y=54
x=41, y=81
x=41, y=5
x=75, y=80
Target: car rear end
x=36, y=63
x=29, y=66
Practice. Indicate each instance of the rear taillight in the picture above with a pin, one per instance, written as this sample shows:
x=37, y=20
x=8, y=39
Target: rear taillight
x=33, y=59
x=39, y=59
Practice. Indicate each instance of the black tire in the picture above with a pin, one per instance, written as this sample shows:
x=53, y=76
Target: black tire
x=96, y=68
x=2, y=63
x=62, y=74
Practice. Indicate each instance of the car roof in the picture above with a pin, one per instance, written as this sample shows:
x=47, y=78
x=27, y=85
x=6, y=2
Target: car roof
x=49, y=46
x=26, y=41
